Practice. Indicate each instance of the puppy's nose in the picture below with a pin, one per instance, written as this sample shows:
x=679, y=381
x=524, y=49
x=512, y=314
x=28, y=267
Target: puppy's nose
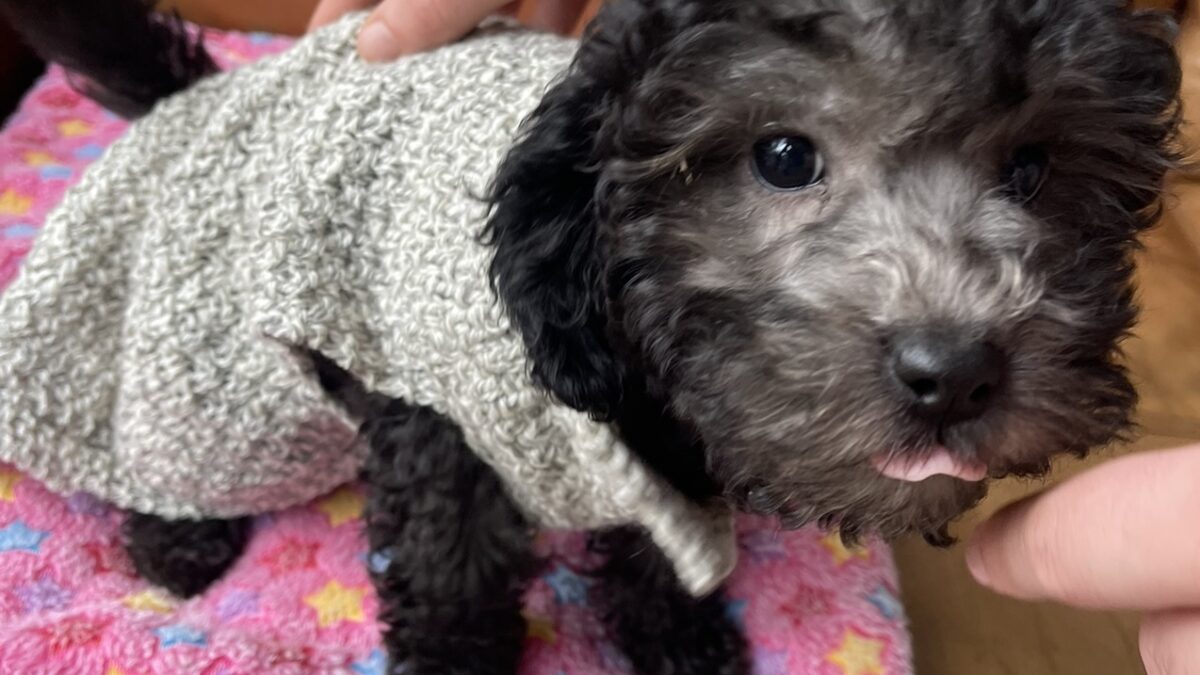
x=950, y=378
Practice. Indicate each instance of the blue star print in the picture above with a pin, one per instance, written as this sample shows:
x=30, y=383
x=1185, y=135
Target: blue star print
x=55, y=172
x=379, y=561
x=372, y=665
x=569, y=588
x=89, y=151
x=18, y=231
x=736, y=611
x=171, y=636
x=19, y=537
x=885, y=602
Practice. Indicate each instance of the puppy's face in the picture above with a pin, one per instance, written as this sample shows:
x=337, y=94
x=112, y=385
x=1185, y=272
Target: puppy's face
x=870, y=252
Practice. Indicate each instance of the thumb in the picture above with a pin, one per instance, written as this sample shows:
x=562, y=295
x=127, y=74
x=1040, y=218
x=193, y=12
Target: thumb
x=399, y=27
x=328, y=11
x=1117, y=536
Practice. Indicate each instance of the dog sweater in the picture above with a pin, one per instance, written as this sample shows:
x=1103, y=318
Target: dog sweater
x=316, y=202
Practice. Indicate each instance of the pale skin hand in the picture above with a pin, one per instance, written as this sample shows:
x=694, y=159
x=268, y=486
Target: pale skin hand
x=398, y=27
x=1125, y=535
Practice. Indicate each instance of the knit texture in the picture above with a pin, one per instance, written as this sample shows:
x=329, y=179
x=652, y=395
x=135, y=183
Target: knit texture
x=308, y=201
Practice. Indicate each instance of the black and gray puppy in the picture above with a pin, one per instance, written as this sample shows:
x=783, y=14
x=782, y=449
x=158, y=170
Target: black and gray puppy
x=832, y=260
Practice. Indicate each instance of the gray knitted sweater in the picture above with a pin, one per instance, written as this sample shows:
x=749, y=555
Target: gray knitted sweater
x=315, y=201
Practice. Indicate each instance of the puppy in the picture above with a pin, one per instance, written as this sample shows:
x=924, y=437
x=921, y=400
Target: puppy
x=833, y=261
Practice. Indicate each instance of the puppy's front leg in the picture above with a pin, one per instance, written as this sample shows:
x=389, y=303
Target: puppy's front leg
x=660, y=627
x=449, y=552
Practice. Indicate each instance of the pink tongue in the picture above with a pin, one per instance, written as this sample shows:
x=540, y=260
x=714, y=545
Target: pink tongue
x=940, y=461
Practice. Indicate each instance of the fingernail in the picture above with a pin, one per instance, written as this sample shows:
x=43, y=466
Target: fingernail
x=976, y=565
x=377, y=42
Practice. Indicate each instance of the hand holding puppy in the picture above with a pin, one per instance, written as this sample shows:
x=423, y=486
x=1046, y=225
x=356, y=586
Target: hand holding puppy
x=398, y=27
x=1123, y=536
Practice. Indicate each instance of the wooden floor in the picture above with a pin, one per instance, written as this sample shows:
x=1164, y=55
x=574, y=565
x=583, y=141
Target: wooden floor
x=961, y=629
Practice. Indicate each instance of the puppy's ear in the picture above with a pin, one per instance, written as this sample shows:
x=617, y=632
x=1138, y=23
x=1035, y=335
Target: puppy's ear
x=1146, y=79
x=549, y=244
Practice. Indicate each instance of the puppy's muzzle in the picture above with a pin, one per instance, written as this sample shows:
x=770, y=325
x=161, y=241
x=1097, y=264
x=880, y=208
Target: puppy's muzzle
x=947, y=376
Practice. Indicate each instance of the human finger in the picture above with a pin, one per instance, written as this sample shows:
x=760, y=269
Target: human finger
x=398, y=27
x=559, y=16
x=1170, y=643
x=1122, y=535
x=328, y=11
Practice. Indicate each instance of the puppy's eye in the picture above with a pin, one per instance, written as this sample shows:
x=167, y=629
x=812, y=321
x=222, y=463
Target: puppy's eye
x=788, y=162
x=1026, y=172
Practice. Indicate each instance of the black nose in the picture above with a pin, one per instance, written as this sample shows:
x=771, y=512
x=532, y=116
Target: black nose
x=950, y=378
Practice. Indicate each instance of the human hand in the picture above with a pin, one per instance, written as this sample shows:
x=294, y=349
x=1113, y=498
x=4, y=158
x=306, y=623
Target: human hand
x=1125, y=535
x=398, y=27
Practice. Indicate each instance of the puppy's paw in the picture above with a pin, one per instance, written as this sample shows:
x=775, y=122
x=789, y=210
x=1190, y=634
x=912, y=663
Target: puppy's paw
x=660, y=627
x=683, y=636
x=183, y=556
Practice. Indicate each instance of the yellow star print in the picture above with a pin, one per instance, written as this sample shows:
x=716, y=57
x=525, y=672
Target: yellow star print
x=539, y=628
x=8, y=484
x=147, y=601
x=38, y=158
x=342, y=506
x=113, y=670
x=858, y=655
x=336, y=603
x=73, y=128
x=14, y=204
x=841, y=555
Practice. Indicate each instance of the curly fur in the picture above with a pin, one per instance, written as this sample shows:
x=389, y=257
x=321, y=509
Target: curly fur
x=183, y=556
x=738, y=337
x=635, y=251
x=451, y=550
x=655, y=622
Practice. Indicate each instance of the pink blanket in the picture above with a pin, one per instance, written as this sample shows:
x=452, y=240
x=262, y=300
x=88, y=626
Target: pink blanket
x=299, y=601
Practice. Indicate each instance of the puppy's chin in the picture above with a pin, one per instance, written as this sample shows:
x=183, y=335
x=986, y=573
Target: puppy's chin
x=887, y=496
x=864, y=502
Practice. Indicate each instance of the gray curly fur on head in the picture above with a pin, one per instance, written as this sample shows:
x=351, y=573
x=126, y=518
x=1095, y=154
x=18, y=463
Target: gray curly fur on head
x=647, y=265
